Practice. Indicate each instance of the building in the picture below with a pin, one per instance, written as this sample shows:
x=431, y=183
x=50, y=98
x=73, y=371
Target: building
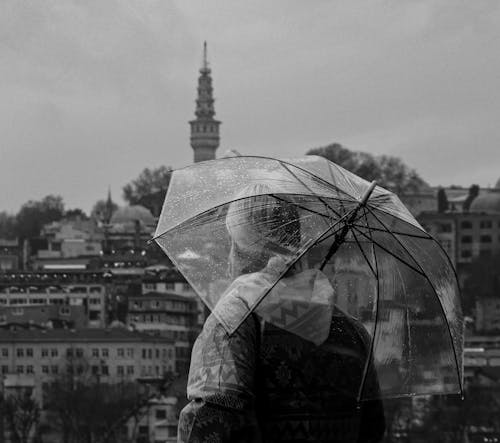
x=110, y=355
x=204, y=128
x=466, y=235
x=167, y=306
x=10, y=255
x=43, y=303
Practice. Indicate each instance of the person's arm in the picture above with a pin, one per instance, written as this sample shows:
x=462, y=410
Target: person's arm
x=221, y=387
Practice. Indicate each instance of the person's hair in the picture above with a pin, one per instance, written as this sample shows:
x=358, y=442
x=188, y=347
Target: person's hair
x=260, y=225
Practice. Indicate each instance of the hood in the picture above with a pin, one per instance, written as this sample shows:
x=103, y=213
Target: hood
x=301, y=304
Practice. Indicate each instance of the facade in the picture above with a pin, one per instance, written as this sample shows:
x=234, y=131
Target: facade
x=465, y=235
x=204, y=128
x=111, y=355
x=167, y=315
x=46, y=304
x=10, y=255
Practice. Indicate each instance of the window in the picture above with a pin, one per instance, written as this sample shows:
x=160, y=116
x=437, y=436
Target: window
x=54, y=352
x=150, y=286
x=120, y=371
x=45, y=352
x=20, y=369
x=64, y=310
x=485, y=224
x=55, y=369
x=69, y=352
x=161, y=414
x=485, y=238
x=120, y=352
x=130, y=352
x=45, y=369
x=130, y=370
x=144, y=353
x=466, y=224
x=466, y=254
x=95, y=370
x=104, y=370
x=20, y=352
x=157, y=353
x=442, y=227
x=466, y=238
x=187, y=286
x=29, y=369
x=5, y=352
x=150, y=353
x=485, y=252
x=105, y=352
x=29, y=352
x=169, y=286
x=5, y=369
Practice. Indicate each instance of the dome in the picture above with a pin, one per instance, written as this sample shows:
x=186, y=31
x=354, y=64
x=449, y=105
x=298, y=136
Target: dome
x=129, y=214
x=487, y=202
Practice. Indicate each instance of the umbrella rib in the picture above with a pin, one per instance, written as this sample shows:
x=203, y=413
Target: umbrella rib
x=301, y=206
x=364, y=254
x=213, y=208
x=439, y=300
x=372, y=344
x=389, y=252
x=395, y=232
x=308, y=188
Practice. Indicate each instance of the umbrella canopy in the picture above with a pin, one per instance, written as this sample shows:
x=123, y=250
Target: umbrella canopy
x=307, y=245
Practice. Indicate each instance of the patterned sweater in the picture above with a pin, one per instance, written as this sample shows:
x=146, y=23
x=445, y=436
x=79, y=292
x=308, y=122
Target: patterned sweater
x=264, y=384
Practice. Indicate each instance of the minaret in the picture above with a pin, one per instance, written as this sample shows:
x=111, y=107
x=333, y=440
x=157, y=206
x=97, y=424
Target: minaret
x=204, y=129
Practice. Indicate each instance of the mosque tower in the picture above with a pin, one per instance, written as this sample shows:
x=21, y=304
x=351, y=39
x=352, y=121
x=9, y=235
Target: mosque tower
x=204, y=129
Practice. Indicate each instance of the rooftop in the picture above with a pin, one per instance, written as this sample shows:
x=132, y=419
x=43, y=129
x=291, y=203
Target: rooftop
x=86, y=335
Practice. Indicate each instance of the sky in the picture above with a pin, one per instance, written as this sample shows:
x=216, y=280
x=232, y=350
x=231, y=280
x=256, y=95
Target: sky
x=94, y=91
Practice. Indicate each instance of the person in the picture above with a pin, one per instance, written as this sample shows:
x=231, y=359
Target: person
x=292, y=369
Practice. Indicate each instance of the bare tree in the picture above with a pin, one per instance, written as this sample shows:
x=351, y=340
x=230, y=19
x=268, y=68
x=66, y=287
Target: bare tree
x=22, y=415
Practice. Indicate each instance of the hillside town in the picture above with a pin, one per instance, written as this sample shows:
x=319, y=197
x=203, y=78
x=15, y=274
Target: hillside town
x=90, y=308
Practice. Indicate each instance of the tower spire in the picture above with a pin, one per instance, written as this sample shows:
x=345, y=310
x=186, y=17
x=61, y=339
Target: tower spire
x=204, y=129
x=205, y=59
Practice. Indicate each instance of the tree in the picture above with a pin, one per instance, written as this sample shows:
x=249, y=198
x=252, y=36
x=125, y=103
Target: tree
x=149, y=188
x=86, y=410
x=33, y=215
x=7, y=225
x=75, y=213
x=103, y=210
x=442, y=200
x=389, y=172
x=22, y=414
x=473, y=193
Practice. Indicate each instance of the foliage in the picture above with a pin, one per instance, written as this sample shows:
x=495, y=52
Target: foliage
x=85, y=409
x=149, y=189
x=33, y=215
x=72, y=214
x=7, y=225
x=22, y=414
x=442, y=200
x=389, y=172
x=103, y=210
x=473, y=193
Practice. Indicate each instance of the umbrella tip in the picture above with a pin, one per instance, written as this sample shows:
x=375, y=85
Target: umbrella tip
x=368, y=192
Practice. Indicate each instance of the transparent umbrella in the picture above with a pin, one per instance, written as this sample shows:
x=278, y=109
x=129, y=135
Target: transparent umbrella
x=307, y=245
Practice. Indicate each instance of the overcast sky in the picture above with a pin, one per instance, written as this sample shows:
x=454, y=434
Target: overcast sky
x=94, y=91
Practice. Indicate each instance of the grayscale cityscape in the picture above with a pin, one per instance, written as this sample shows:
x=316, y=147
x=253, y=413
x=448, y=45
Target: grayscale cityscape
x=97, y=323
